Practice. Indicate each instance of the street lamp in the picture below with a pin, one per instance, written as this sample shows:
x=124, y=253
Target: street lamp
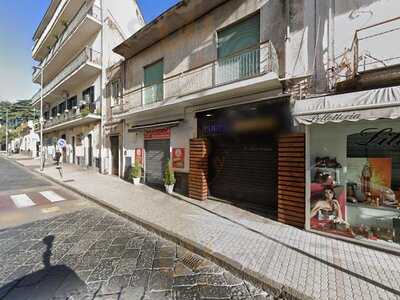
x=41, y=117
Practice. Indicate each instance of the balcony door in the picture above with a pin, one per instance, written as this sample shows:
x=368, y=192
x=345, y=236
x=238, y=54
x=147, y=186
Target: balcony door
x=239, y=51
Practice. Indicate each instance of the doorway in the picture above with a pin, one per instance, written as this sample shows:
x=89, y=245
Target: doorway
x=156, y=158
x=64, y=150
x=90, y=150
x=114, y=155
x=73, y=150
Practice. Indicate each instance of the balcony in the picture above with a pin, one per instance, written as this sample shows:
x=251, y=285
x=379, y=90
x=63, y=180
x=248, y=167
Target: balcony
x=366, y=62
x=252, y=70
x=83, y=67
x=82, y=27
x=59, y=19
x=74, y=117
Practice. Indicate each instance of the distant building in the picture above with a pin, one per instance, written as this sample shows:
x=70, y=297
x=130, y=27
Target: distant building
x=73, y=47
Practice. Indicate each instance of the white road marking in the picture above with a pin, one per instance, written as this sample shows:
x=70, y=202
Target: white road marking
x=52, y=196
x=22, y=201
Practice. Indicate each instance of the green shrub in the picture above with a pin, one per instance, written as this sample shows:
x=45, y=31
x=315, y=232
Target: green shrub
x=137, y=170
x=85, y=111
x=169, y=175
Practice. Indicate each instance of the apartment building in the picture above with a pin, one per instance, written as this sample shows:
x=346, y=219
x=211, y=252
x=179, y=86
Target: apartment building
x=271, y=105
x=202, y=86
x=352, y=129
x=73, y=47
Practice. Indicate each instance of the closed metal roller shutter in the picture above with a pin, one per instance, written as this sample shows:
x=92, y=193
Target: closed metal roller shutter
x=157, y=156
x=243, y=171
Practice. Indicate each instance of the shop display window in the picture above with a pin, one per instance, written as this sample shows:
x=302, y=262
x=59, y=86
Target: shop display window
x=355, y=190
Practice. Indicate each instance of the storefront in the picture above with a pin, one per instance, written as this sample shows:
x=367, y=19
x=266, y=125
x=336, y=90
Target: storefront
x=154, y=144
x=353, y=172
x=243, y=153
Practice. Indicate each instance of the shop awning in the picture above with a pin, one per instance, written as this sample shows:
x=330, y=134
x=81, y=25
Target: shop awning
x=156, y=125
x=365, y=105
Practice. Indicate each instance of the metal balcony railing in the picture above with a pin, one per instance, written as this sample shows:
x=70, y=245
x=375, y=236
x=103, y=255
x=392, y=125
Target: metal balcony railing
x=251, y=62
x=373, y=47
x=88, y=55
x=70, y=115
x=84, y=11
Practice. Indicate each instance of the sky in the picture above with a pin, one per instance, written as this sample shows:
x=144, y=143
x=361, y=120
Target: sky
x=18, y=21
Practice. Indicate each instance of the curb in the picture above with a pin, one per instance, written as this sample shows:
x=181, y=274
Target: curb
x=277, y=289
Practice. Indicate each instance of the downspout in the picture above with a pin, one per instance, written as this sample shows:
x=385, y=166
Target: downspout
x=331, y=44
x=101, y=131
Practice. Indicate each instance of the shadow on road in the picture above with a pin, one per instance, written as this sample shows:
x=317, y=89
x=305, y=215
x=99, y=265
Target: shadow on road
x=51, y=282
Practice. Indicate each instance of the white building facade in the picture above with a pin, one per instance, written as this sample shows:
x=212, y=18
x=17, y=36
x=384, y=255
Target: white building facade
x=73, y=46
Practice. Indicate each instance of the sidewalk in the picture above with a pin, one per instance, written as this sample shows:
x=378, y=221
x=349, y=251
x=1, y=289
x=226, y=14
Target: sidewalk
x=305, y=265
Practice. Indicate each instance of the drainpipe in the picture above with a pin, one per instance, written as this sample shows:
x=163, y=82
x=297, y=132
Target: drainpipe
x=331, y=43
x=101, y=131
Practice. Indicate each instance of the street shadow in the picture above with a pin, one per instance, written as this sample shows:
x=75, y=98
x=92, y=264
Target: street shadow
x=51, y=282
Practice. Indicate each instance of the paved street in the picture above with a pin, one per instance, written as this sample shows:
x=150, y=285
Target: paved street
x=90, y=253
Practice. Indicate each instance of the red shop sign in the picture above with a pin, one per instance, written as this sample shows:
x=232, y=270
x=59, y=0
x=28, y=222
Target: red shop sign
x=157, y=134
x=178, y=158
x=139, y=155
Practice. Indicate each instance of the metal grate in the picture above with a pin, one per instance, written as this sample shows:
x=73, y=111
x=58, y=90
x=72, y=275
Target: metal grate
x=192, y=261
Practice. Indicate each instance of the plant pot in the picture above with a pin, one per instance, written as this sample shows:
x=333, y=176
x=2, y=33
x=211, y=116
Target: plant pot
x=136, y=180
x=169, y=188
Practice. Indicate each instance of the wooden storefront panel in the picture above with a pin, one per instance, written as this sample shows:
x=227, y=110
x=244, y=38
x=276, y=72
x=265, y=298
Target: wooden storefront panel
x=198, y=186
x=291, y=179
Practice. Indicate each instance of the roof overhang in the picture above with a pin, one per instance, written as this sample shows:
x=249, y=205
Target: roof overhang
x=178, y=16
x=374, y=104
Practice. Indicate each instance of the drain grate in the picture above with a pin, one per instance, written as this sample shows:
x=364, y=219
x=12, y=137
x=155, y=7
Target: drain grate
x=192, y=261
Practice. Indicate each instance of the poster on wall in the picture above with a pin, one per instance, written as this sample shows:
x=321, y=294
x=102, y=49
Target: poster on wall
x=178, y=158
x=328, y=197
x=139, y=155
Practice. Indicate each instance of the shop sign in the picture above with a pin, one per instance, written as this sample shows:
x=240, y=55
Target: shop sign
x=157, y=134
x=139, y=155
x=178, y=158
x=379, y=137
x=335, y=117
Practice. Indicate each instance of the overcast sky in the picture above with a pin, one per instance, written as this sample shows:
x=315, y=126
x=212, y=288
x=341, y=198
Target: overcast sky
x=18, y=22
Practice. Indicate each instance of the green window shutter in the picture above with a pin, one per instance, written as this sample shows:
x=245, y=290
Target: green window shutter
x=154, y=73
x=239, y=36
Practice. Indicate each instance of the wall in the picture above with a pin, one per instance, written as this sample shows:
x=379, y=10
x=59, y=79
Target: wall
x=195, y=44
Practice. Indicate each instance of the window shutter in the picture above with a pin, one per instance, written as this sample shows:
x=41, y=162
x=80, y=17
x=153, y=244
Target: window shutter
x=239, y=36
x=154, y=73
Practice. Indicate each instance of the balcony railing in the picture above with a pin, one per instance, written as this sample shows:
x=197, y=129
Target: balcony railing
x=368, y=52
x=84, y=11
x=248, y=63
x=70, y=115
x=87, y=55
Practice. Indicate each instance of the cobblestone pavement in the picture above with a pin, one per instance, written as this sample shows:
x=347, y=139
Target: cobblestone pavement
x=94, y=254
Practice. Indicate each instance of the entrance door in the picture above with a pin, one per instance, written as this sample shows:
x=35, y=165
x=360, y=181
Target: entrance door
x=115, y=154
x=243, y=170
x=156, y=158
x=90, y=150
x=73, y=150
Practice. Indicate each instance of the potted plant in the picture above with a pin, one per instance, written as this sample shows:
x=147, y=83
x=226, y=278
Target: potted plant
x=85, y=111
x=169, y=178
x=136, y=173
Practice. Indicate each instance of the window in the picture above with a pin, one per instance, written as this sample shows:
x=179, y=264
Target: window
x=88, y=95
x=115, y=92
x=239, y=51
x=54, y=111
x=72, y=102
x=62, y=107
x=46, y=115
x=153, y=83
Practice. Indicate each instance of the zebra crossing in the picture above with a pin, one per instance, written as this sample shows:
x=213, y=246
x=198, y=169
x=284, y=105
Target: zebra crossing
x=31, y=199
